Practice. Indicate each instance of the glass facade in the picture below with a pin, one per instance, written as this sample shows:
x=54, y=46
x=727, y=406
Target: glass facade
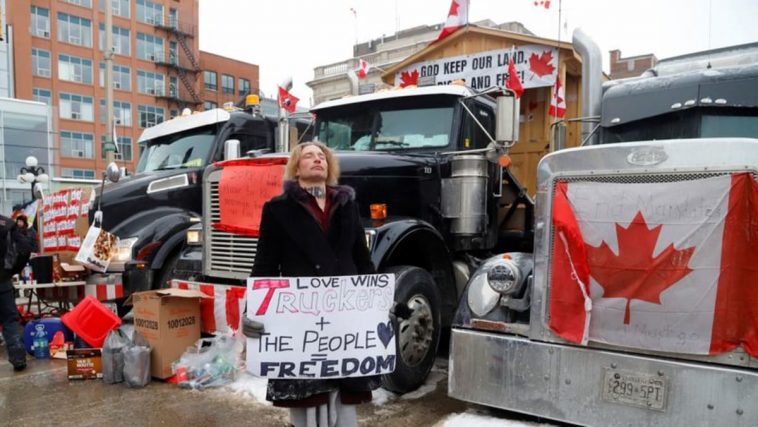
x=25, y=130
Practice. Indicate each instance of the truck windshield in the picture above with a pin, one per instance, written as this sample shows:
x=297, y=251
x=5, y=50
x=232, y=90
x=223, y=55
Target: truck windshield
x=388, y=125
x=177, y=151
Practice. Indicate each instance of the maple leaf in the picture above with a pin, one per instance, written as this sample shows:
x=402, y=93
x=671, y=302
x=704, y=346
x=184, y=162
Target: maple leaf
x=634, y=273
x=541, y=65
x=408, y=78
x=453, y=9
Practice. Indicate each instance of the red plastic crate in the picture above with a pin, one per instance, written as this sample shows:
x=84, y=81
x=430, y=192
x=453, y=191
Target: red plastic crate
x=91, y=321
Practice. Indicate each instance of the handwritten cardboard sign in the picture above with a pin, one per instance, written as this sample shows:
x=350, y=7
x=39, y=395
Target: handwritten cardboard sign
x=322, y=327
x=243, y=189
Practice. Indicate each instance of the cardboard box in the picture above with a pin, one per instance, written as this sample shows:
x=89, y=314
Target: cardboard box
x=170, y=321
x=84, y=364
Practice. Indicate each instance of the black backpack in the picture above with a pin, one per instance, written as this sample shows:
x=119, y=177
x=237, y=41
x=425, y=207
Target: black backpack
x=17, y=248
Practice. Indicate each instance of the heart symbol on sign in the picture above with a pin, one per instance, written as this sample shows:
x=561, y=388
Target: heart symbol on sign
x=385, y=332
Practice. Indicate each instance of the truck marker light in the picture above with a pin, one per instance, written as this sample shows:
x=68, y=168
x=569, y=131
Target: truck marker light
x=147, y=250
x=378, y=210
x=504, y=161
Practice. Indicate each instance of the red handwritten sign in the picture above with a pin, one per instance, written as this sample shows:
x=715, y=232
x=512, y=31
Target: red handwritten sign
x=243, y=189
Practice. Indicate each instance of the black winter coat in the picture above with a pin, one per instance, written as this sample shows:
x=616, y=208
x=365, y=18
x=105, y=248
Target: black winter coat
x=292, y=244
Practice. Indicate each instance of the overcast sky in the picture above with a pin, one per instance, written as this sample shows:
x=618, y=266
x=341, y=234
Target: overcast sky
x=291, y=37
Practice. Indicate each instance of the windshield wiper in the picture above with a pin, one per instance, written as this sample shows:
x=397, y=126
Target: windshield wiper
x=166, y=168
x=390, y=140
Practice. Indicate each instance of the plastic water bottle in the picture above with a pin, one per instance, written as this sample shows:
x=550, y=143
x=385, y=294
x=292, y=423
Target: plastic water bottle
x=41, y=347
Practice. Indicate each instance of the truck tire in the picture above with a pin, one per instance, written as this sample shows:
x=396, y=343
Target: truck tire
x=416, y=338
x=163, y=276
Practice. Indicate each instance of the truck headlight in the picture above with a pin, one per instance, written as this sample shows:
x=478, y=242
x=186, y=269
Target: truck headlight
x=124, y=250
x=194, y=237
x=503, y=277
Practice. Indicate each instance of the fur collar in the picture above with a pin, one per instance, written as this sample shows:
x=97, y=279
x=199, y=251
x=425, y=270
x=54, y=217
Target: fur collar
x=340, y=194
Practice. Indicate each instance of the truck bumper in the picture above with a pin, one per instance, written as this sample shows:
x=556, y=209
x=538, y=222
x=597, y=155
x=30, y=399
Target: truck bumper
x=574, y=384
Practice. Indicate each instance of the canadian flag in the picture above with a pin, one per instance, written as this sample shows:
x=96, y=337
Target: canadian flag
x=558, y=100
x=457, y=17
x=666, y=267
x=287, y=100
x=513, y=82
x=363, y=67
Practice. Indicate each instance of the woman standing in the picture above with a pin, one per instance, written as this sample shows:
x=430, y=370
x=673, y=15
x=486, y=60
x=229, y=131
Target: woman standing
x=313, y=229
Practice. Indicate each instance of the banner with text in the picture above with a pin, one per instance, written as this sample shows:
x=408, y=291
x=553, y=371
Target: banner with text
x=535, y=64
x=322, y=327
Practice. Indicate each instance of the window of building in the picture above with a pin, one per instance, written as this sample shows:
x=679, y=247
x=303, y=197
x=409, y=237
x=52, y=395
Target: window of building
x=209, y=77
x=149, y=48
x=149, y=12
x=173, y=87
x=243, y=87
x=40, y=25
x=76, y=107
x=77, y=173
x=40, y=62
x=122, y=77
x=82, y=3
x=120, y=7
x=121, y=44
x=75, y=30
x=209, y=105
x=173, y=113
x=74, y=69
x=42, y=95
x=150, y=83
x=149, y=115
x=122, y=112
x=76, y=144
x=124, y=148
x=227, y=83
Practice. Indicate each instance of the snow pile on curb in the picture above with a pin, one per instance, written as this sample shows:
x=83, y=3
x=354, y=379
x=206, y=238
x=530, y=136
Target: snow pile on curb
x=248, y=384
x=472, y=419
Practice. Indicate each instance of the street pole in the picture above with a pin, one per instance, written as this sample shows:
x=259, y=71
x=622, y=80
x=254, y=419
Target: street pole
x=109, y=146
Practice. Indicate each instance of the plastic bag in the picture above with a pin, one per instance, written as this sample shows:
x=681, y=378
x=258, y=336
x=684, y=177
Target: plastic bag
x=113, y=357
x=97, y=247
x=137, y=362
x=211, y=362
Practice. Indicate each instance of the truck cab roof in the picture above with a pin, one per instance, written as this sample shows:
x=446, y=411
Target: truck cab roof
x=456, y=90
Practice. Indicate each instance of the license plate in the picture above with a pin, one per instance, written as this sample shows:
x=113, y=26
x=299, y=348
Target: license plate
x=635, y=389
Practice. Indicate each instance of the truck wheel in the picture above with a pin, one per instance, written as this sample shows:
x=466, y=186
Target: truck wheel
x=164, y=275
x=416, y=338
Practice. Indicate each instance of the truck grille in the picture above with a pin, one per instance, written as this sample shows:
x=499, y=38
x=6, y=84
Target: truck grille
x=228, y=255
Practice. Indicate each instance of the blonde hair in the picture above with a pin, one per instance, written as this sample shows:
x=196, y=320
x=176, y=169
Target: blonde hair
x=333, y=167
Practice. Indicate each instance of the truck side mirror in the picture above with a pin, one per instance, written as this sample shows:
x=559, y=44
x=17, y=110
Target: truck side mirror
x=112, y=172
x=507, y=119
x=231, y=149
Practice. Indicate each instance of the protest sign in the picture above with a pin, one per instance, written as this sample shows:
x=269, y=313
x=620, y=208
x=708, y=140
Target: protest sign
x=536, y=66
x=322, y=327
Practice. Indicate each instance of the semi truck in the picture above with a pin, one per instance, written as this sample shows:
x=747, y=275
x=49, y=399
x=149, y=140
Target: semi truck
x=151, y=209
x=432, y=198
x=636, y=306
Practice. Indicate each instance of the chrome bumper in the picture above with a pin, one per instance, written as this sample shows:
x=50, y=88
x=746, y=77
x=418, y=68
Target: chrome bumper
x=566, y=383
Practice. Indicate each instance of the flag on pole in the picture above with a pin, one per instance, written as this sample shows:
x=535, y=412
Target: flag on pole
x=363, y=67
x=457, y=17
x=542, y=3
x=287, y=100
x=558, y=100
x=513, y=82
x=115, y=137
x=664, y=267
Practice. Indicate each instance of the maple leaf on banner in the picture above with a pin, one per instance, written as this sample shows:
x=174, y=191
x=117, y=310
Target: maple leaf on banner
x=408, y=78
x=541, y=65
x=634, y=273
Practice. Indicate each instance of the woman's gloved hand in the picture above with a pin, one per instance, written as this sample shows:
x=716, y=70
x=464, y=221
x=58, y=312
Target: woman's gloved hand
x=252, y=328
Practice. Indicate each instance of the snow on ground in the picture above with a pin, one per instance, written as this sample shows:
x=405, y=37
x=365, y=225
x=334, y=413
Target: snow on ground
x=250, y=385
x=477, y=419
x=438, y=373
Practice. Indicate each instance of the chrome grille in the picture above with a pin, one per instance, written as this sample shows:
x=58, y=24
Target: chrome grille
x=227, y=255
